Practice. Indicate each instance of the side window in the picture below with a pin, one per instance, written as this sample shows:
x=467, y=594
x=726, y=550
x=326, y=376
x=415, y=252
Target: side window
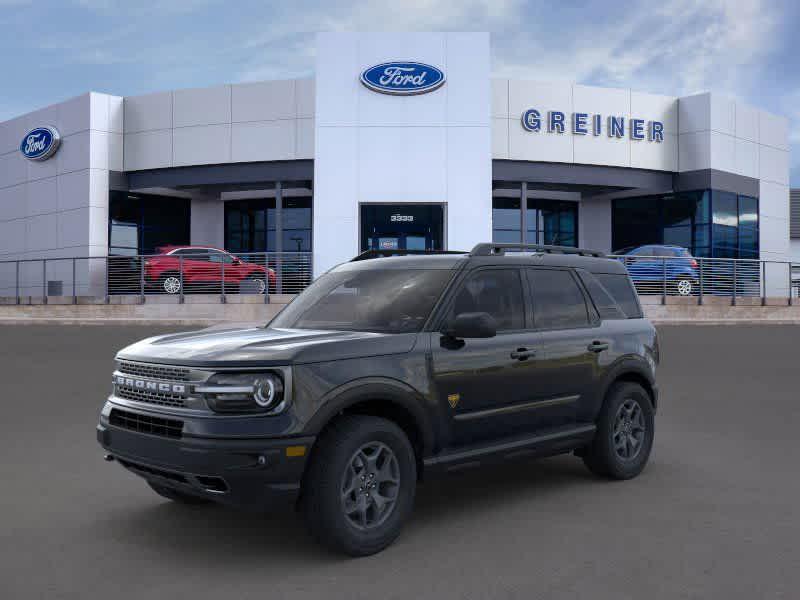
x=605, y=304
x=621, y=289
x=494, y=291
x=215, y=256
x=558, y=301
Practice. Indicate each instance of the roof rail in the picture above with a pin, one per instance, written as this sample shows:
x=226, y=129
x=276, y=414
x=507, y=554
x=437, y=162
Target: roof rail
x=370, y=254
x=494, y=249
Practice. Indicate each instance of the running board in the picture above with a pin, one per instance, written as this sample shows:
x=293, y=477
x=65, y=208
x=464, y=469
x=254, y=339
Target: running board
x=545, y=444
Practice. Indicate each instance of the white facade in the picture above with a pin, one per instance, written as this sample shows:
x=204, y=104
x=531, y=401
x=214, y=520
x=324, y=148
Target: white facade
x=439, y=147
x=378, y=148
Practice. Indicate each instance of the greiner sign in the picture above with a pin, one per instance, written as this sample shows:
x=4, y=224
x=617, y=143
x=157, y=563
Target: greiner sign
x=593, y=124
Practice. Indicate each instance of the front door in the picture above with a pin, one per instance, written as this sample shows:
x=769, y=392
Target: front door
x=487, y=387
x=401, y=227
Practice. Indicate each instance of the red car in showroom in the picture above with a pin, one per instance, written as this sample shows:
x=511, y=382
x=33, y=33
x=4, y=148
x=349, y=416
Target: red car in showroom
x=203, y=268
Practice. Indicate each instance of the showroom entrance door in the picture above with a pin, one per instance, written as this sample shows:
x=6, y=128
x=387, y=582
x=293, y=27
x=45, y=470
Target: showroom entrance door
x=402, y=227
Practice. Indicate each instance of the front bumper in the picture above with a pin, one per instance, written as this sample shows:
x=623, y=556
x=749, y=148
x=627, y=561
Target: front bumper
x=248, y=473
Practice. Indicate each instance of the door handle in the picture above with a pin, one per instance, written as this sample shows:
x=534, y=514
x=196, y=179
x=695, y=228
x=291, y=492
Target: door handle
x=522, y=354
x=598, y=346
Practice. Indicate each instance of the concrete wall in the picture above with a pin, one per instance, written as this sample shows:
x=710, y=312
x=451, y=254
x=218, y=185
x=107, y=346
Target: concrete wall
x=207, y=221
x=270, y=120
x=59, y=207
x=373, y=147
x=594, y=225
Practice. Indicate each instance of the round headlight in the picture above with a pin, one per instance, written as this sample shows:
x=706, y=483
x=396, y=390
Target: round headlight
x=265, y=392
x=243, y=392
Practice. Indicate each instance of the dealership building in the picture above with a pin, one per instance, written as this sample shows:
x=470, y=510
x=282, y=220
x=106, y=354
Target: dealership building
x=399, y=140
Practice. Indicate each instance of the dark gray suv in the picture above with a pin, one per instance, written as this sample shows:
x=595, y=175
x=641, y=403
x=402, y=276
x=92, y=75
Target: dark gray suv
x=387, y=368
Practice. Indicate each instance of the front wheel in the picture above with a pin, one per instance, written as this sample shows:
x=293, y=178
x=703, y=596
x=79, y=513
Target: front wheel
x=625, y=432
x=253, y=285
x=360, y=486
x=684, y=287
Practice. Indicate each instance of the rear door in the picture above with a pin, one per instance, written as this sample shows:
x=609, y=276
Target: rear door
x=571, y=342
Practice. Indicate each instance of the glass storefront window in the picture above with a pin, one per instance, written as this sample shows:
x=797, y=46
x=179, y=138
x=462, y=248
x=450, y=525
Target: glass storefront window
x=705, y=222
x=297, y=224
x=552, y=222
x=506, y=220
x=252, y=225
x=141, y=223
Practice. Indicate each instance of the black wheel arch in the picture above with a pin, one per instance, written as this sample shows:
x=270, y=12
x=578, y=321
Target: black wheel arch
x=635, y=370
x=382, y=397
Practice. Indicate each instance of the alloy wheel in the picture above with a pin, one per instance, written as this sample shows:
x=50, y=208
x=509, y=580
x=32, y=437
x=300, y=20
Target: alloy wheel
x=172, y=285
x=629, y=430
x=684, y=287
x=370, y=486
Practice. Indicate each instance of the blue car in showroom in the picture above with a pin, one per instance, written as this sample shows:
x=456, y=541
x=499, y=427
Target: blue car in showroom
x=649, y=266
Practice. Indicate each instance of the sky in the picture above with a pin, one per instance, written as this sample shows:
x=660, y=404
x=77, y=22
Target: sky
x=51, y=50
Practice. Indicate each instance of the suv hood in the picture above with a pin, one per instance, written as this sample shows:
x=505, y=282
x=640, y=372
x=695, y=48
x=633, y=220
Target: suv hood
x=257, y=346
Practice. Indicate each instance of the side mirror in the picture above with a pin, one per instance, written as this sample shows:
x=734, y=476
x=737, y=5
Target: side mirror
x=471, y=325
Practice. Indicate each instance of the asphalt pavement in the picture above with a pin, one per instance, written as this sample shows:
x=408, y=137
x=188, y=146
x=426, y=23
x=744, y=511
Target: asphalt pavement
x=716, y=514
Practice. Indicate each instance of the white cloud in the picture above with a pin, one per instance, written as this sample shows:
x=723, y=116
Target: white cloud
x=676, y=47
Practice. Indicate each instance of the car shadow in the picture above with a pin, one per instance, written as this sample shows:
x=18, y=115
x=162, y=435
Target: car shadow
x=229, y=537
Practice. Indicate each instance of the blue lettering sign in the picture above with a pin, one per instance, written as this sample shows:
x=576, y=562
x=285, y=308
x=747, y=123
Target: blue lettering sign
x=598, y=125
x=656, y=131
x=532, y=120
x=637, y=129
x=555, y=121
x=616, y=127
x=579, y=123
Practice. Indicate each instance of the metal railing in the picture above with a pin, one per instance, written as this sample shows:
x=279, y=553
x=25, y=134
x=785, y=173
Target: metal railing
x=223, y=275
x=702, y=278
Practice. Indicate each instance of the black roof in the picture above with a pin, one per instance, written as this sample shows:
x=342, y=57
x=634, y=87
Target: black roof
x=489, y=254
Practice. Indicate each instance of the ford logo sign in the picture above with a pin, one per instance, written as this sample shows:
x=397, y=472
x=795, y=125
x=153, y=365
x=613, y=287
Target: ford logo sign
x=402, y=78
x=40, y=143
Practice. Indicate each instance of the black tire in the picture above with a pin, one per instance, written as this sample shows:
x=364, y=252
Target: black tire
x=605, y=455
x=175, y=495
x=256, y=283
x=324, y=496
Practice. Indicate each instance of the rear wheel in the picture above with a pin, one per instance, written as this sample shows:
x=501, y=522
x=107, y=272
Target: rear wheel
x=625, y=432
x=360, y=486
x=175, y=495
x=170, y=283
x=259, y=286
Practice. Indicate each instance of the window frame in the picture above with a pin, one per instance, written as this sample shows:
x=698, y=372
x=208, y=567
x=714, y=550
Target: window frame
x=456, y=284
x=592, y=316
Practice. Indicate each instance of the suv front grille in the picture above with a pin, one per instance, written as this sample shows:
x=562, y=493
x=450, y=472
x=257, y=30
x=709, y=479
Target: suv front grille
x=154, y=371
x=171, y=428
x=159, y=398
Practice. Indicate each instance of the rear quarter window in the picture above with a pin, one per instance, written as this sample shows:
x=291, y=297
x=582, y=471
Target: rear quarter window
x=620, y=288
x=607, y=307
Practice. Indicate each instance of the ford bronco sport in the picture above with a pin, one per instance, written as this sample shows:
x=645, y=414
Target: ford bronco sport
x=388, y=368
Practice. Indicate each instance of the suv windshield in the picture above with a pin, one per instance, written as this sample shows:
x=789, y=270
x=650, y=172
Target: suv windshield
x=378, y=300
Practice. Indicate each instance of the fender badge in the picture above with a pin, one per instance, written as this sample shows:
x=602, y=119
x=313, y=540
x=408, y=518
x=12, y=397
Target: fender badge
x=453, y=399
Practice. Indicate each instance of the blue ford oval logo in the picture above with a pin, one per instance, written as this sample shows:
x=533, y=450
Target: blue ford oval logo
x=402, y=78
x=40, y=143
